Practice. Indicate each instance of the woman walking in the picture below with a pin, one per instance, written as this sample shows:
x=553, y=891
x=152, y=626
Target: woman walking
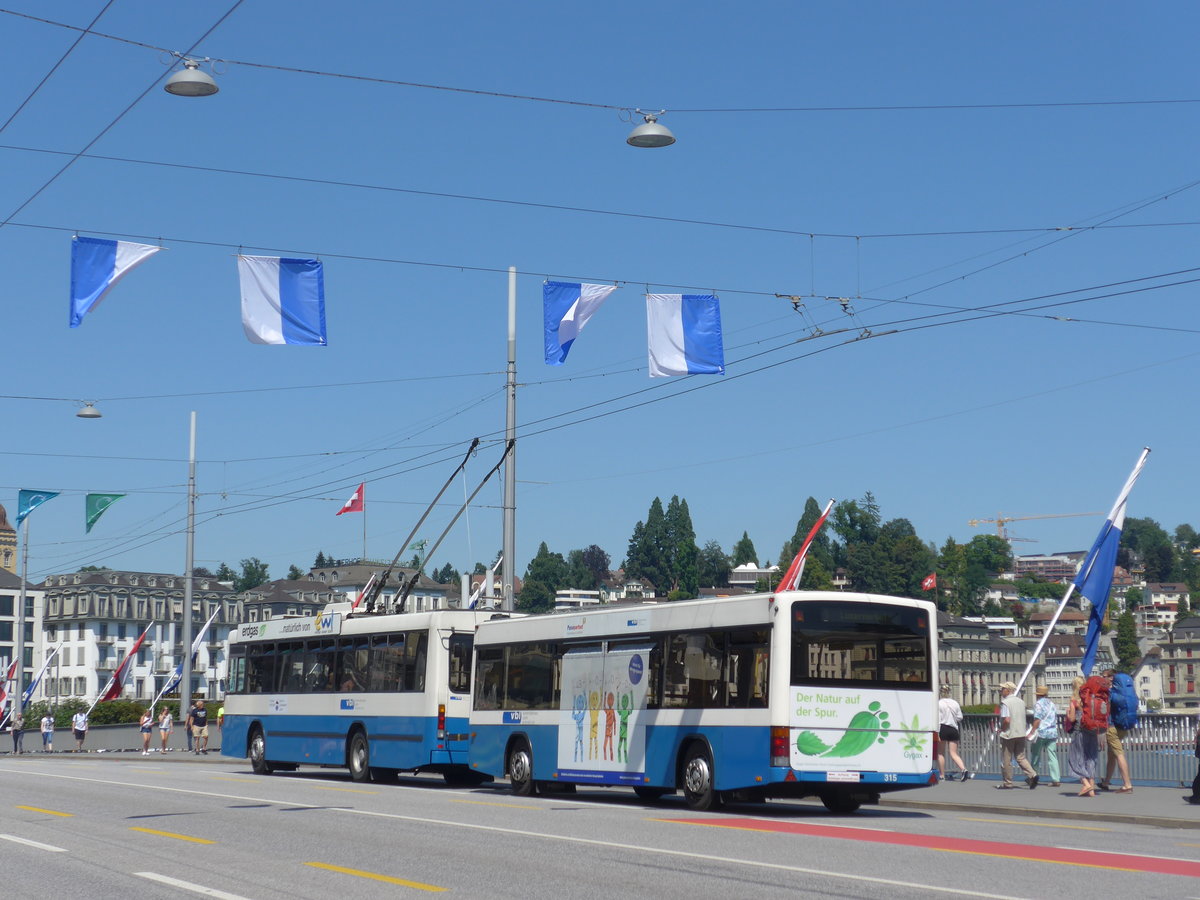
x=1044, y=734
x=165, y=727
x=1085, y=745
x=146, y=723
x=950, y=716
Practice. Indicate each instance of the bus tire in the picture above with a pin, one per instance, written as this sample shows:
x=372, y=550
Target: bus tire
x=699, y=779
x=520, y=768
x=841, y=804
x=649, y=794
x=359, y=757
x=257, y=751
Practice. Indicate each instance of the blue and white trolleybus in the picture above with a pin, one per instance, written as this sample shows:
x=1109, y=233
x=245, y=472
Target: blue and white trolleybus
x=787, y=694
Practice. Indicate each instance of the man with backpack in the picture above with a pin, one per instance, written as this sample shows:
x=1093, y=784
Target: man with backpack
x=1122, y=701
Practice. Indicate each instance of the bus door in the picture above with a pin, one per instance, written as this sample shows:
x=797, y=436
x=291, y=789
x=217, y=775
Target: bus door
x=602, y=732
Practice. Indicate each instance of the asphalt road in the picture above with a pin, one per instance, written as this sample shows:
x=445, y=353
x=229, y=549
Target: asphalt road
x=122, y=825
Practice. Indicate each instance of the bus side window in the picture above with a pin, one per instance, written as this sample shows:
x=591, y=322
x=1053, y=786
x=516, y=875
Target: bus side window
x=414, y=659
x=352, y=664
x=489, y=675
x=460, y=662
x=749, y=653
x=387, y=662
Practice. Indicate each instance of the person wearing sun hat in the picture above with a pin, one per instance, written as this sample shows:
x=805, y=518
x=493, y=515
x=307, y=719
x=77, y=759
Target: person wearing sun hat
x=1013, y=729
x=1043, y=734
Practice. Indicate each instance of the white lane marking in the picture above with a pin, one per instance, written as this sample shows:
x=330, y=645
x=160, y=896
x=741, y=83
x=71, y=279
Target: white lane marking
x=189, y=886
x=658, y=851
x=28, y=843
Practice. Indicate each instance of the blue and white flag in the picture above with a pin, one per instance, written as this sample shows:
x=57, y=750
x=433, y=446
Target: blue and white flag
x=1094, y=579
x=96, y=267
x=566, y=308
x=177, y=675
x=28, y=501
x=683, y=334
x=283, y=300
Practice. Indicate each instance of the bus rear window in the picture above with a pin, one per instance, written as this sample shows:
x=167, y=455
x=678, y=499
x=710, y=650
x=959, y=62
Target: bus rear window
x=859, y=645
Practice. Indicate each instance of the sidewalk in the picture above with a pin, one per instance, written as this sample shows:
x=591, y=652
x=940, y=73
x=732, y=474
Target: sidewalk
x=1162, y=807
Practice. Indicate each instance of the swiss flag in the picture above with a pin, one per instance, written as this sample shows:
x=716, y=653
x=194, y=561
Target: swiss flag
x=929, y=582
x=358, y=502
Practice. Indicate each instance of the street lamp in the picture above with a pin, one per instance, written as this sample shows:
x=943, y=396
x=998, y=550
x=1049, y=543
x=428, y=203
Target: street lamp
x=191, y=81
x=650, y=133
x=89, y=411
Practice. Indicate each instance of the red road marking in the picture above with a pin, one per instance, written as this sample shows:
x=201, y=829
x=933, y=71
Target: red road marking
x=1094, y=858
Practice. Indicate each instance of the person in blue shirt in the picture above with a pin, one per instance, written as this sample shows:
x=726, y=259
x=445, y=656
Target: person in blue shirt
x=1044, y=735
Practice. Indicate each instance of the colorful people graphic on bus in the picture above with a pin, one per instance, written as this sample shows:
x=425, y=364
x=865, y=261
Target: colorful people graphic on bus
x=577, y=713
x=593, y=724
x=623, y=732
x=610, y=724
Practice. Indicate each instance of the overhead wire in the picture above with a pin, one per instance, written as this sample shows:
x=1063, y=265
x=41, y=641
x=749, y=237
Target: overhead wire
x=508, y=95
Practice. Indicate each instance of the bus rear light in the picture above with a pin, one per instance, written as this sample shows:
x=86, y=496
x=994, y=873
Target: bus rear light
x=441, y=728
x=780, y=751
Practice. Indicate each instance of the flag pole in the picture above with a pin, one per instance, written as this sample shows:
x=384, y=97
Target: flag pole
x=1084, y=571
x=20, y=624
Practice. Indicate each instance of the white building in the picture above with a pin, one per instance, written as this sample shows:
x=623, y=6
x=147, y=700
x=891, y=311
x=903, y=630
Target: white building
x=350, y=579
x=95, y=617
x=10, y=594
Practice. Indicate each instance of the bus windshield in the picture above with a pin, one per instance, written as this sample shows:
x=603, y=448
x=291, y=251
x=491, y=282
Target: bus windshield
x=859, y=645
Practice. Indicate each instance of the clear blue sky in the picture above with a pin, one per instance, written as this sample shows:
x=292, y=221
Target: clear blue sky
x=1014, y=414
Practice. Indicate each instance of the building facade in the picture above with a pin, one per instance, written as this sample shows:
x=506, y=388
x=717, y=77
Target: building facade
x=95, y=618
x=349, y=580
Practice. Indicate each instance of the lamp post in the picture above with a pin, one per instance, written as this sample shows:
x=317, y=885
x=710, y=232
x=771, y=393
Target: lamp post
x=185, y=685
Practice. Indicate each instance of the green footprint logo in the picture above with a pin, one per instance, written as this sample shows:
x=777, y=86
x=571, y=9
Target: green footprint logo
x=868, y=727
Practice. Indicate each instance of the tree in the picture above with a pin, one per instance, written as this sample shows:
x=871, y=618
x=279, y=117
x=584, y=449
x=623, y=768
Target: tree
x=1126, y=643
x=295, y=573
x=545, y=574
x=1144, y=542
x=599, y=563
x=254, y=573
x=579, y=576
x=1183, y=608
x=321, y=561
x=447, y=574
x=990, y=552
x=744, y=552
x=647, y=556
x=1186, y=537
x=201, y=572
x=821, y=546
x=713, y=565
x=681, y=548
x=93, y=569
x=224, y=573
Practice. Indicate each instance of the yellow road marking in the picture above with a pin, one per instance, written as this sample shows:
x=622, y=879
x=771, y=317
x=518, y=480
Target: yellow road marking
x=48, y=812
x=346, y=790
x=171, y=834
x=488, y=803
x=1034, y=824
x=416, y=885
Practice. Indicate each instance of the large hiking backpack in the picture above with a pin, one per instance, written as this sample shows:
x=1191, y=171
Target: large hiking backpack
x=1093, y=697
x=1124, y=702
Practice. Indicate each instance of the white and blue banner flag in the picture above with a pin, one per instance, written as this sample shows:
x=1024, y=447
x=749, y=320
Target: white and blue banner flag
x=683, y=334
x=177, y=674
x=566, y=308
x=96, y=267
x=1094, y=579
x=283, y=300
x=28, y=501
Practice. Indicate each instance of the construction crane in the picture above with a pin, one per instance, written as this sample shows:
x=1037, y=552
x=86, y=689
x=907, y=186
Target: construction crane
x=1002, y=521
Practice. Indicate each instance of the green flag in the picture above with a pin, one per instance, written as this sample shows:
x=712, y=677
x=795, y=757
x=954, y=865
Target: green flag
x=96, y=504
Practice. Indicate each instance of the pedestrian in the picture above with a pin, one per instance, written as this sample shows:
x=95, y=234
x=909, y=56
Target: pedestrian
x=47, y=733
x=18, y=732
x=950, y=716
x=79, y=725
x=1194, y=797
x=1013, y=728
x=1044, y=735
x=146, y=725
x=187, y=724
x=1085, y=745
x=1114, y=739
x=165, y=727
x=200, y=729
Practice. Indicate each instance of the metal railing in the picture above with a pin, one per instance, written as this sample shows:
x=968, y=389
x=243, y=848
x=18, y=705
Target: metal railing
x=1161, y=751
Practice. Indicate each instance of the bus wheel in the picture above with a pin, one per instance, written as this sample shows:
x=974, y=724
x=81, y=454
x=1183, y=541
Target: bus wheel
x=520, y=769
x=258, y=753
x=649, y=794
x=843, y=804
x=360, y=757
x=699, y=779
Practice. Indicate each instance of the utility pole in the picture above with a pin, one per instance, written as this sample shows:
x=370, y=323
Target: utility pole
x=510, y=435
